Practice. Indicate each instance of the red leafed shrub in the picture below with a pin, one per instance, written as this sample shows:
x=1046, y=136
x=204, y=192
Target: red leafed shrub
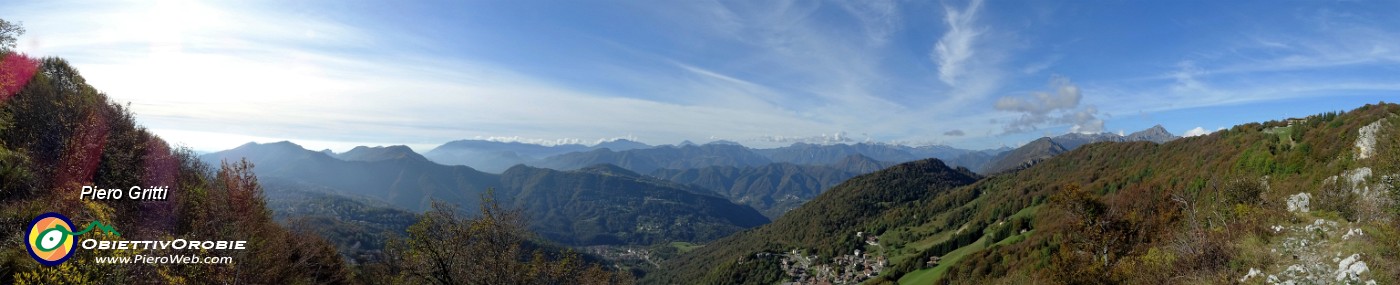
x=15, y=71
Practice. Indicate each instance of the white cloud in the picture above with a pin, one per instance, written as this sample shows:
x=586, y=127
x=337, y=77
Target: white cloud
x=1060, y=106
x=1065, y=96
x=552, y=142
x=1199, y=131
x=955, y=48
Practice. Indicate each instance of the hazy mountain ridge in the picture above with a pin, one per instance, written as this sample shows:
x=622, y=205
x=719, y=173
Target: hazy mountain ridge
x=650, y=159
x=595, y=205
x=495, y=156
x=364, y=153
x=776, y=188
x=404, y=182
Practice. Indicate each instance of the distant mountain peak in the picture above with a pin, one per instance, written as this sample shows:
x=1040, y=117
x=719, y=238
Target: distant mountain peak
x=365, y=153
x=1026, y=155
x=1157, y=134
x=621, y=145
x=722, y=142
x=609, y=169
x=277, y=145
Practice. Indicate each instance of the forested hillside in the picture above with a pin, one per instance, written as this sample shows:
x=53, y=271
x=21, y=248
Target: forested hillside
x=776, y=188
x=832, y=225
x=1309, y=200
x=57, y=134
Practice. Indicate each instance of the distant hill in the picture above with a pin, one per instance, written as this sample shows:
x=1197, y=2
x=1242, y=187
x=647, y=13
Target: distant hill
x=776, y=188
x=495, y=156
x=608, y=206
x=650, y=159
x=620, y=145
x=816, y=154
x=406, y=182
x=364, y=153
x=359, y=227
x=592, y=206
x=1025, y=156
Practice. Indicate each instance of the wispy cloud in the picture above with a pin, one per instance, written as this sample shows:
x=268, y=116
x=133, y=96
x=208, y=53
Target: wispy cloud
x=278, y=77
x=1041, y=65
x=879, y=18
x=955, y=48
x=1324, y=56
x=777, y=71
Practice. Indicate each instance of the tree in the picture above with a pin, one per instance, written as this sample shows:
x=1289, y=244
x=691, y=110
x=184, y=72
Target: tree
x=9, y=32
x=492, y=248
x=1097, y=232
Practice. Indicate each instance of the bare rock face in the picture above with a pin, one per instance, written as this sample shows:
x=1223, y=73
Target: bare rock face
x=1299, y=202
x=1366, y=141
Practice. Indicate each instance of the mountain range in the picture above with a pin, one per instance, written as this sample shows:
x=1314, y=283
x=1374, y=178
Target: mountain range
x=590, y=206
x=1046, y=147
x=495, y=156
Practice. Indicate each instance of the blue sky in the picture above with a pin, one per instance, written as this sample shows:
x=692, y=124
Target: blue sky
x=970, y=74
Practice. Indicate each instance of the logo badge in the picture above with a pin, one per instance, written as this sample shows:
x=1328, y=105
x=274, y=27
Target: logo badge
x=50, y=239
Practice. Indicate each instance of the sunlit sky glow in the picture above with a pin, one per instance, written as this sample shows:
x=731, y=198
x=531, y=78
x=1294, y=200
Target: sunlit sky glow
x=336, y=74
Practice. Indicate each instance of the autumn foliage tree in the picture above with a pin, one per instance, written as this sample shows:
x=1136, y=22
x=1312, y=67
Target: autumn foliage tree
x=492, y=248
x=58, y=133
x=1097, y=246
